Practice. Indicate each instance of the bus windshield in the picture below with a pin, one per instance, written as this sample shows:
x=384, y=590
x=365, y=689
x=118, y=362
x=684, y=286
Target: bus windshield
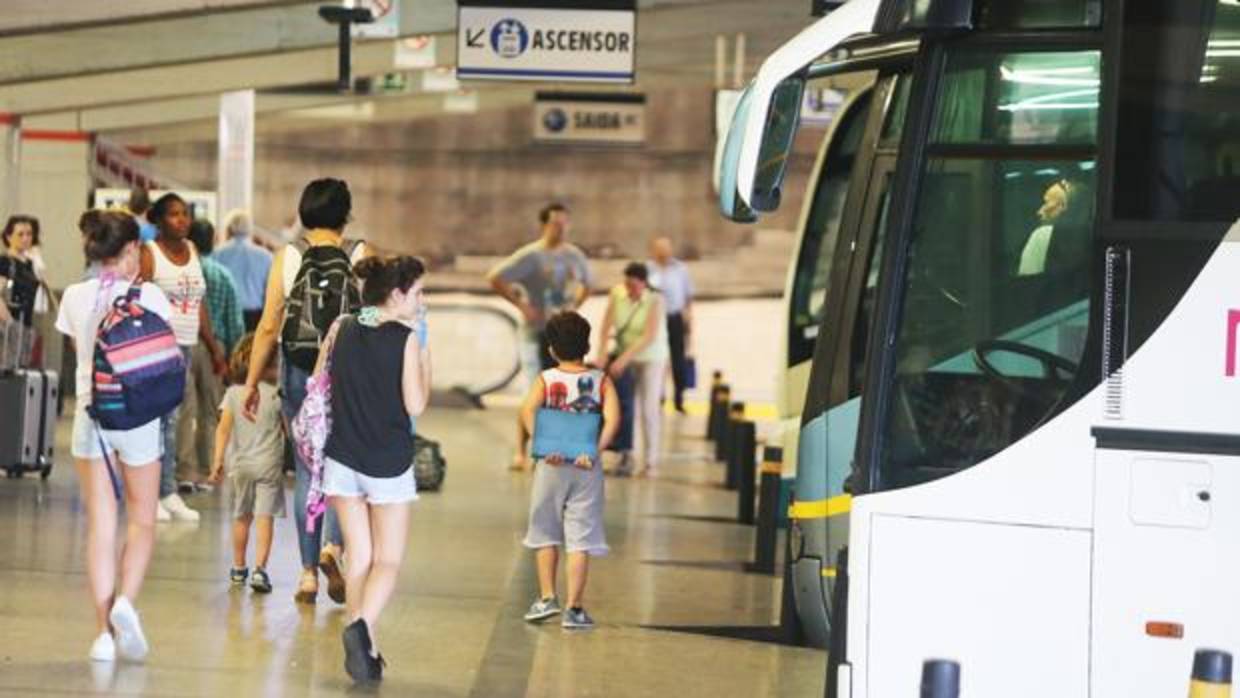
x=995, y=295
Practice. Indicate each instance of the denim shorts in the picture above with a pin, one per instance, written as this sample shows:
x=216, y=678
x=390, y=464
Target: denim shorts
x=339, y=480
x=138, y=446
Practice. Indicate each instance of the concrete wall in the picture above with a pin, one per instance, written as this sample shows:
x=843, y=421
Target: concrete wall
x=55, y=187
x=457, y=184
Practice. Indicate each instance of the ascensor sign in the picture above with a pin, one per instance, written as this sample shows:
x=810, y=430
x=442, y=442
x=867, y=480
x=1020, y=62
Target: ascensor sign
x=594, y=44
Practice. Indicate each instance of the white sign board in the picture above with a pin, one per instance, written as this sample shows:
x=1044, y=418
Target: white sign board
x=201, y=203
x=590, y=120
x=509, y=43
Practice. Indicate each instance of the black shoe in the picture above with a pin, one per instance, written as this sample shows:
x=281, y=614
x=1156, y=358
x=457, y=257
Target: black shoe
x=358, y=663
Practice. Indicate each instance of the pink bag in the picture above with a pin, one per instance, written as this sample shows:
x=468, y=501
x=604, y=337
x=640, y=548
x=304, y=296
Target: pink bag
x=310, y=429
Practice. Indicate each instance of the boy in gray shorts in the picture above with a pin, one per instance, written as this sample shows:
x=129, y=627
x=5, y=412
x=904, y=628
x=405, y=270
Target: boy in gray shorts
x=255, y=451
x=566, y=505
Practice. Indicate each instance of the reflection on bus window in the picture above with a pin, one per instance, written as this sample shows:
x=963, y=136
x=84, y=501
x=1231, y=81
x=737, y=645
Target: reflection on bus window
x=1178, y=138
x=893, y=122
x=1064, y=204
x=1020, y=98
x=983, y=354
x=811, y=278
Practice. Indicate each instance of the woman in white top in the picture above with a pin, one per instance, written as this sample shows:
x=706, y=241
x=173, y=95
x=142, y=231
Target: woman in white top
x=111, y=240
x=637, y=363
x=171, y=263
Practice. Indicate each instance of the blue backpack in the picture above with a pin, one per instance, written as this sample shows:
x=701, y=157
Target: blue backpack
x=139, y=372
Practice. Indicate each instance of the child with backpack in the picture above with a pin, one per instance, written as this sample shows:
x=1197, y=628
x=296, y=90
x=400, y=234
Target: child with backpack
x=255, y=451
x=566, y=504
x=311, y=283
x=125, y=348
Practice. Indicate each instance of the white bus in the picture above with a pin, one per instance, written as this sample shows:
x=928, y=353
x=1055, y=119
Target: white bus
x=1021, y=415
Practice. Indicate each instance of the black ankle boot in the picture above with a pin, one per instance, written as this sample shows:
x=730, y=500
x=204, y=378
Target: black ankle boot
x=358, y=662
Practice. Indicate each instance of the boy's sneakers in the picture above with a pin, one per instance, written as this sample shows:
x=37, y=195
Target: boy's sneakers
x=162, y=514
x=359, y=663
x=238, y=575
x=260, y=583
x=329, y=565
x=103, y=649
x=542, y=609
x=577, y=619
x=130, y=641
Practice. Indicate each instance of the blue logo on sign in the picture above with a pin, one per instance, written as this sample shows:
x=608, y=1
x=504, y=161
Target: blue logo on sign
x=509, y=38
x=555, y=120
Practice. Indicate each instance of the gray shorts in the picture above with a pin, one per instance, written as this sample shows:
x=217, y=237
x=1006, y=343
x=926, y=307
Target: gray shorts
x=566, y=508
x=257, y=496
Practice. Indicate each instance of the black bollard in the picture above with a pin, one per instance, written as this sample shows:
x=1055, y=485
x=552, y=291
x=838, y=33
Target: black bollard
x=720, y=395
x=940, y=678
x=746, y=447
x=768, y=511
x=1211, y=674
x=723, y=444
x=837, y=643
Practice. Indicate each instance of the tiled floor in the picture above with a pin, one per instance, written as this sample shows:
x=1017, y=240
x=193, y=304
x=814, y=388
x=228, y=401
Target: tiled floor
x=454, y=626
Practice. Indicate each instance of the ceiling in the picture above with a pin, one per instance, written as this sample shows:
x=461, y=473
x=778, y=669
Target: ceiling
x=160, y=65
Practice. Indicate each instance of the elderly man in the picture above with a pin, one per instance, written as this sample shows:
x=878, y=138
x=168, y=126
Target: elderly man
x=670, y=276
x=248, y=263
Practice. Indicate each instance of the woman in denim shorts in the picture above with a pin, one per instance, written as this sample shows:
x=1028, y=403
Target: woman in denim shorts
x=380, y=377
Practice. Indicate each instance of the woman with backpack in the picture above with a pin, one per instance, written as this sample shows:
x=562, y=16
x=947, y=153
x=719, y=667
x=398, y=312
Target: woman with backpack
x=110, y=239
x=310, y=284
x=172, y=264
x=380, y=382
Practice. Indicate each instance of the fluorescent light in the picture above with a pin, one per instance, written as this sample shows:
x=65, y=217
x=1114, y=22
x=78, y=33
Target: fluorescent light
x=1049, y=76
x=1223, y=53
x=1048, y=105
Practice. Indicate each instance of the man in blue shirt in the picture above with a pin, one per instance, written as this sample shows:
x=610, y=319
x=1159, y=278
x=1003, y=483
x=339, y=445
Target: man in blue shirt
x=670, y=276
x=249, y=265
x=139, y=204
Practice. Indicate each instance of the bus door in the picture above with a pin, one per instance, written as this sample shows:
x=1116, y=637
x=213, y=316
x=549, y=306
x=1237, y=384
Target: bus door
x=829, y=427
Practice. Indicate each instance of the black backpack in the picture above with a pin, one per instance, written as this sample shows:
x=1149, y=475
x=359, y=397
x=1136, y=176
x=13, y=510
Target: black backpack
x=323, y=289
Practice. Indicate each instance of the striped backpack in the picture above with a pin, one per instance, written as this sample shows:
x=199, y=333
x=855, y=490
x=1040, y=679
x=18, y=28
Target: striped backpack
x=139, y=372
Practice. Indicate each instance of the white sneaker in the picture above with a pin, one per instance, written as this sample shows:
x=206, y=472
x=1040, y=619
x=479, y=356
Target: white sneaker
x=177, y=508
x=130, y=641
x=162, y=514
x=103, y=649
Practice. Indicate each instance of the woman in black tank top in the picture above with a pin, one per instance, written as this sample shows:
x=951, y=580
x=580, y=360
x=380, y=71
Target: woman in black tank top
x=380, y=368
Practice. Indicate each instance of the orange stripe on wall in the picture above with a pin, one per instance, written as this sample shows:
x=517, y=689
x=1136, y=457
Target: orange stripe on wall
x=45, y=135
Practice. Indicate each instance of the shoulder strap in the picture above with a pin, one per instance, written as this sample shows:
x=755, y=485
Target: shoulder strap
x=301, y=244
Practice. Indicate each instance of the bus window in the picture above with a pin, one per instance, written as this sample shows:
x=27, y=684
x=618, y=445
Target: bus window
x=893, y=122
x=810, y=282
x=1178, y=136
x=996, y=291
x=1037, y=98
x=1040, y=14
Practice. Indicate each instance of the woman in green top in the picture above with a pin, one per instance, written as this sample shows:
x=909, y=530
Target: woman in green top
x=637, y=362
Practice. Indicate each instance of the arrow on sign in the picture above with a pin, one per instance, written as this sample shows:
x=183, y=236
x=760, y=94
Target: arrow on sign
x=473, y=40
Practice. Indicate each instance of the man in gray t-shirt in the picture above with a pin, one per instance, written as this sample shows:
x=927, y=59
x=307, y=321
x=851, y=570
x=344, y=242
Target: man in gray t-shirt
x=541, y=279
x=553, y=275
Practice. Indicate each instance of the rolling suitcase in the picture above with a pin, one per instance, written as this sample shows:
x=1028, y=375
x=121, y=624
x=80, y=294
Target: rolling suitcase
x=27, y=432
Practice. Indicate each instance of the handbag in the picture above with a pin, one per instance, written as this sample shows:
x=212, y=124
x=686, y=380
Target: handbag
x=310, y=429
x=690, y=373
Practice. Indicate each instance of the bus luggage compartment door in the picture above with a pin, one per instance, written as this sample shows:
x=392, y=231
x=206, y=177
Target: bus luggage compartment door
x=1165, y=569
x=1010, y=603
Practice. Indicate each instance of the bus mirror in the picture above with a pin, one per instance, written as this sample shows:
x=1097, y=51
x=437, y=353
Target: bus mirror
x=731, y=204
x=778, y=136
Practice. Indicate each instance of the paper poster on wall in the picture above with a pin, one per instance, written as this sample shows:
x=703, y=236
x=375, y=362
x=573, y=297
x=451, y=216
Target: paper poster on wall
x=387, y=19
